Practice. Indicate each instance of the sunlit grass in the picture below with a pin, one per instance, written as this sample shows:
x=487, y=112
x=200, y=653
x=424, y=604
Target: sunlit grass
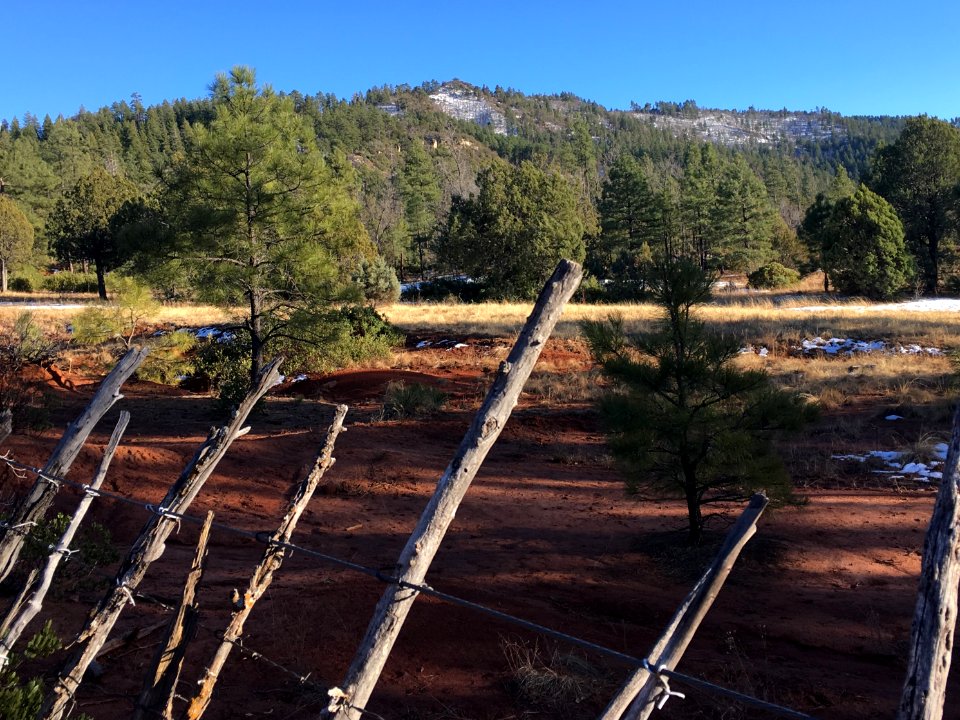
x=754, y=319
x=55, y=320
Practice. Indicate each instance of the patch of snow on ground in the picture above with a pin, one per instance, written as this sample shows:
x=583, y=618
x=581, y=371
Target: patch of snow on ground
x=926, y=305
x=848, y=346
x=898, y=470
x=44, y=306
x=212, y=333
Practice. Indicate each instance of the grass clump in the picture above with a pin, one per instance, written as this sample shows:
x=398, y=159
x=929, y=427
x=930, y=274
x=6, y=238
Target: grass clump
x=402, y=401
x=551, y=680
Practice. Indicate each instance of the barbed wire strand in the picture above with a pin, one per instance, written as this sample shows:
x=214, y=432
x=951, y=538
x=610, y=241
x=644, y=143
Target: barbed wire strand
x=264, y=537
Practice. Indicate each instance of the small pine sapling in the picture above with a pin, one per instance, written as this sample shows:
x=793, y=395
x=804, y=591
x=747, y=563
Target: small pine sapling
x=681, y=417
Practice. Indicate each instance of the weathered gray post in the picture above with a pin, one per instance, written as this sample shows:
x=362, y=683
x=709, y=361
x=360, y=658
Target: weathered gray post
x=935, y=616
x=415, y=559
x=34, y=506
x=639, y=694
x=149, y=546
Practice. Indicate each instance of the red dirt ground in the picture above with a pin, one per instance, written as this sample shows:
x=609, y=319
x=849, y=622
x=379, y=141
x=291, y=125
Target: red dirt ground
x=815, y=615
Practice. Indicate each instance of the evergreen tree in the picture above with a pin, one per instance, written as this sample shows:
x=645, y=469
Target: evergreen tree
x=628, y=213
x=16, y=238
x=261, y=219
x=815, y=231
x=742, y=219
x=682, y=418
x=81, y=222
x=420, y=191
x=867, y=255
x=514, y=231
x=920, y=176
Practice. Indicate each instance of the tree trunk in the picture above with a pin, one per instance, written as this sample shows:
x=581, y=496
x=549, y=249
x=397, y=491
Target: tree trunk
x=934, y=281
x=3, y=275
x=101, y=282
x=256, y=337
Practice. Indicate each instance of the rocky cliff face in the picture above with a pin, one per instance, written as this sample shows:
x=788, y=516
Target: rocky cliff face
x=740, y=128
x=465, y=104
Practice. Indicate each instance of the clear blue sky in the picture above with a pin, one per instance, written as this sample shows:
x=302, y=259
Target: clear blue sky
x=883, y=57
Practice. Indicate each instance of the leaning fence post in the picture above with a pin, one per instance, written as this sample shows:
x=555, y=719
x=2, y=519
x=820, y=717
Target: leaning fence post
x=35, y=504
x=160, y=683
x=415, y=559
x=935, y=615
x=23, y=612
x=637, y=696
x=149, y=546
x=269, y=564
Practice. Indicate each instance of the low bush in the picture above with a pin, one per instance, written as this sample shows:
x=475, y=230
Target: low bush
x=77, y=573
x=94, y=325
x=66, y=281
x=23, y=345
x=21, y=699
x=223, y=364
x=21, y=284
x=773, y=275
x=339, y=337
x=124, y=319
x=378, y=281
x=170, y=359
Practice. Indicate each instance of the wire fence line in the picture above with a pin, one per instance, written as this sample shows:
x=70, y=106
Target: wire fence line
x=264, y=537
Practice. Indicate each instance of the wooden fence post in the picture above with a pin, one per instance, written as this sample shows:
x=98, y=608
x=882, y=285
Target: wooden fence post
x=23, y=612
x=269, y=564
x=35, y=504
x=935, y=615
x=149, y=546
x=160, y=682
x=415, y=559
x=638, y=695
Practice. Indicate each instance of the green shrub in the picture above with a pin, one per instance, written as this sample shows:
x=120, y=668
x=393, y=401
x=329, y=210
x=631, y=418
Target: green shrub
x=378, y=281
x=170, y=359
x=773, y=275
x=591, y=290
x=78, y=573
x=445, y=289
x=19, y=699
x=71, y=282
x=94, y=325
x=26, y=279
x=339, y=337
x=133, y=303
x=224, y=364
x=23, y=345
x=402, y=401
